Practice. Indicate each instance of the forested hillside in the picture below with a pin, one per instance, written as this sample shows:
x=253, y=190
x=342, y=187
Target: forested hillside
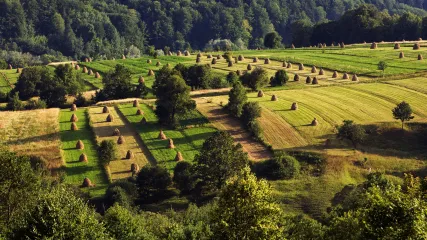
x=109, y=28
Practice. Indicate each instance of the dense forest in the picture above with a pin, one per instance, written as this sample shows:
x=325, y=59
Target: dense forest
x=106, y=29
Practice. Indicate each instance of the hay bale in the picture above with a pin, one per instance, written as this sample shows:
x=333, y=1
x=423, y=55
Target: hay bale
x=84, y=69
x=143, y=120
x=198, y=60
x=141, y=79
x=18, y=70
x=274, y=98
x=289, y=65
x=241, y=58
x=260, y=93
x=230, y=63
x=139, y=112
x=374, y=45
x=187, y=53
x=97, y=75
x=74, y=127
x=313, y=69
x=293, y=46
x=296, y=78
x=168, y=65
x=324, y=45
x=420, y=39
x=170, y=144
x=158, y=64
x=416, y=46
x=345, y=76
x=74, y=118
x=116, y=132
x=420, y=57
x=308, y=80
x=162, y=135
x=314, y=122
x=354, y=78
x=255, y=60
x=199, y=55
x=80, y=145
x=178, y=157
x=267, y=61
x=396, y=46
x=90, y=72
x=301, y=67
x=294, y=106
x=321, y=72
x=342, y=45
x=87, y=183
x=123, y=57
x=219, y=57
x=77, y=67
x=179, y=53
x=150, y=72
x=238, y=72
x=129, y=155
x=134, y=168
x=314, y=81
x=236, y=60
x=120, y=140
x=401, y=55
x=213, y=61
x=110, y=118
x=210, y=56
x=249, y=67
x=284, y=64
x=73, y=108
x=135, y=103
x=83, y=158
x=86, y=59
x=335, y=74
x=105, y=109
x=149, y=61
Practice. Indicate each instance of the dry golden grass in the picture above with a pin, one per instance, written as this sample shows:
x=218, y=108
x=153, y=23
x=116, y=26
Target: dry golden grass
x=121, y=167
x=33, y=132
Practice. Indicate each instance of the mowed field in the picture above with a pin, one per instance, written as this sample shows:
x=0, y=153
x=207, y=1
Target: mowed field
x=7, y=79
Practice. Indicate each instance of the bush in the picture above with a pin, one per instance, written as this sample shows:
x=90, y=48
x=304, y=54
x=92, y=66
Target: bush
x=35, y=104
x=153, y=183
x=250, y=112
x=217, y=82
x=123, y=192
x=282, y=166
x=14, y=104
x=182, y=176
x=255, y=129
x=3, y=64
x=257, y=79
x=107, y=151
x=280, y=78
x=314, y=163
x=232, y=77
x=3, y=97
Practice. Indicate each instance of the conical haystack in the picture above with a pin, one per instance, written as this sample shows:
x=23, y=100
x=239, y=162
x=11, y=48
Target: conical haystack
x=249, y=67
x=274, y=98
x=289, y=65
x=135, y=103
x=401, y=55
x=284, y=64
x=83, y=158
x=354, y=78
x=86, y=59
x=105, y=109
x=90, y=72
x=80, y=145
x=342, y=45
x=74, y=118
x=87, y=183
x=18, y=70
x=123, y=57
x=116, y=132
x=120, y=140
x=110, y=118
x=241, y=58
x=187, y=53
x=313, y=69
x=293, y=46
x=267, y=61
x=9, y=67
x=170, y=145
x=296, y=78
x=139, y=112
x=97, y=75
x=158, y=64
x=149, y=61
x=301, y=67
x=213, y=61
x=255, y=60
x=198, y=60
x=416, y=46
x=179, y=53
x=178, y=157
x=84, y=70
x=308, y=80
x=239, y=73
x=77, y=67
x=143, y=120
x=335, y=74
x=374, y=45
x=314, y=81
x=129, y=155
x=209, y=56
x=74, y=127
x=260, y=93
x=314, y=122
x=294, y=106
x=420, y=57
x=134, y=168
x=396, y=46
x=162, y=135
x=321, y=72
x=73, y=108
x=219, y=57
x=345, y=76
x=150, y=72
x=199, y=55
x=230, y=63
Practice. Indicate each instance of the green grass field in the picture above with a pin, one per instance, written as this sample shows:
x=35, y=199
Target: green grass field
x=188, y=140
x=8, y=78
x=76, y=171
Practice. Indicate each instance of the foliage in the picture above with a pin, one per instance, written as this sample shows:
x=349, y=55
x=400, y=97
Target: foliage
x=69, y=78
x=122, y=192
x=252, y=111
x=199, y=76
x=280, y=78
x=232, y=78
x=382, y=66
x=257, y=79
x=245, y=210
x=35, y=104
x=107, y=151
x=281, y=166
x=237, y=98
x=31, y=81
x=403, y=112
x=117, y=84
x=152, y=183
x=272, y=40
x=14, y=104
x=182, y=176
x=350, y=131
x=141, y=90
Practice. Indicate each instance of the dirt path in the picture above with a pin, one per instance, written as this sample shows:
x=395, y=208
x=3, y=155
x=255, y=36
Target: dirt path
x=222, y=121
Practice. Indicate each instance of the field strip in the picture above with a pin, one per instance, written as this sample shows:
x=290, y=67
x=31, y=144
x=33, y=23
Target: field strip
x=223, y=121
x=120, y=167
x=418, y=84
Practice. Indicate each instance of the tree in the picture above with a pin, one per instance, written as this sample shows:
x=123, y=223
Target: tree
x=403, y=112
x=69, y=78
x=272, y=40
x=245, y=210
x=53, y=93
x=152, y=183
x=280, y=78
x=218, y=160
x=182, y=176
x=14, y=104
x=199, y=76
x=251, y=111
x=117, y=84
x=350, y=131
x=30, y=82
x=382, y=65
x=236, y=99
x=281, y=166
x=257, y=79
x=173, y=98
x=141, y=90
x=232, y=78
x=107, y=151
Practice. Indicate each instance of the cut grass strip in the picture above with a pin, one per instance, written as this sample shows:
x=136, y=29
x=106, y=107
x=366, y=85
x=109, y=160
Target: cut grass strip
x=75, y=170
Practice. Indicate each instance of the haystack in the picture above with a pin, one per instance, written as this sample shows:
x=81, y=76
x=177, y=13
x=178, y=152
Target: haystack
x=18, y=70
x=335, y=74
x=294, y=106
x=141, y=79
x=134, y=168
x=345, y=76
x=169, y=53
x=143, y=120
x=260, y=93
x=168, y=65
x=90, y=72
x=120, y=140
x=241, y=58
x=396, y=46
x=74, y=127
x=342, y=45
x=230, y=63
x=110, y=118
x=9, y=67
x=416, y=46
x=296, y=78
x=73, y=108
x=314, y=122
x=198, y=60
x=293, y=46
x=210, y=56
x=321, y=72
x=87, y=183
x=129, y=155
x=97, y=75
x=324, y=45
x=289, y=65
x=179, y=53
x=255, y=60
x=332, y=45
x=84, y=70
x=170, y=145
x=162, y=135
x=150, y=72
x=178, y=157
x=238, y=72
x=80, y=145
x=249, y=67
x=301, y=67
x=236, y=60
x=135, y=103
x=116, y=132
x=83, y=158
x=199, y=55
x=274, y=98
x=74, y=118
x=420, y=57
x=267, y=61
x=123, y=57
x=219, y=57
x=187, y=53
x=401, y=55
x=313, y=69
x=213, y=61
x=308, y=80
x=420, y=39
x=86, y=59
x=354, y=78
x=284, y=64
x=314, y=81
x=374, y=45
x=139, y=112
x=158, y=64
x=77, y=67
x=149, y=61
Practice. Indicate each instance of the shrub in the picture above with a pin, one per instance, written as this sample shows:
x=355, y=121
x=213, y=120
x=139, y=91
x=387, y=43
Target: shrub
x=314, y=163
x=152, y=183
x=14, y=104
x=122, y=192
x=35, y=104
x=232, y=77
x=280, y=78
x=182, y=176
x=107, y=151
x=257, y=79
x=217, y=82
x=282, y=166
x=250, y=112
